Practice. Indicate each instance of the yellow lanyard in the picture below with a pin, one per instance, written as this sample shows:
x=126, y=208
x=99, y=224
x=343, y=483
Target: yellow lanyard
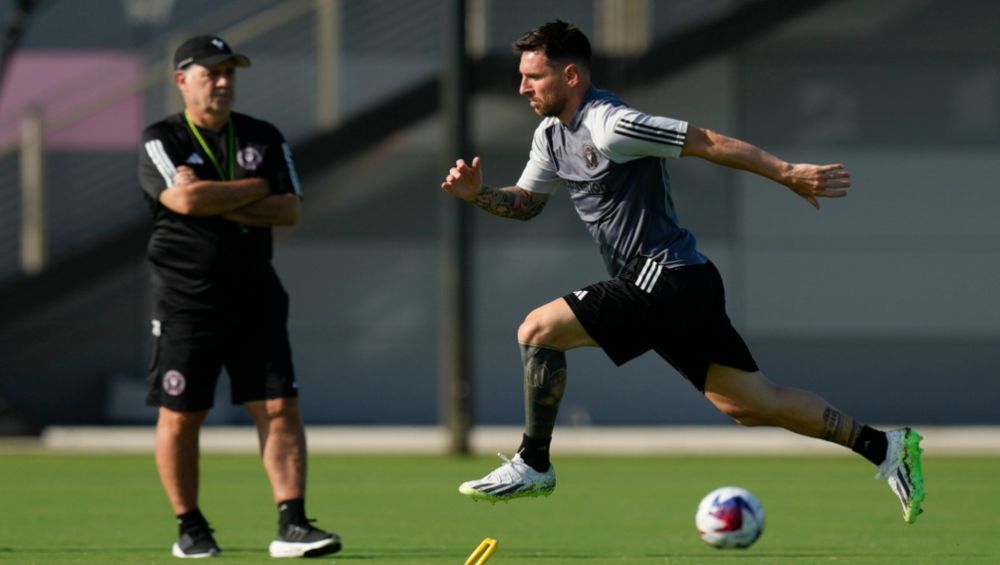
x=208, y=151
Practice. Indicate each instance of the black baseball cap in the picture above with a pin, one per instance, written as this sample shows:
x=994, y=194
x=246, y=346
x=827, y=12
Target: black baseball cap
x=207, y=50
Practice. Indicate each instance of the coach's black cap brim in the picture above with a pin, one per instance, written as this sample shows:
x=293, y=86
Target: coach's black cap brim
x=240, y=60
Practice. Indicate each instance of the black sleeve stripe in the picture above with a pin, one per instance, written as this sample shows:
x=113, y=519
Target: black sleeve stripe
x=634, y=123
x=665, y=141
x=657, y=133
x=635, y=126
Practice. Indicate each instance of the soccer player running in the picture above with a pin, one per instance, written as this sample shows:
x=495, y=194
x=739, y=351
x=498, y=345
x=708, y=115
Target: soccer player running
x=664, y=295
x=217, y=181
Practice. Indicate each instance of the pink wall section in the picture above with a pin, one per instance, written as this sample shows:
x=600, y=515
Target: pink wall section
x=59, y=82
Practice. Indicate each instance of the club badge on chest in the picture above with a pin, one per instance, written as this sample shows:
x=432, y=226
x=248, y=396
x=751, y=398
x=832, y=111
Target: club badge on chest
x=249, y=158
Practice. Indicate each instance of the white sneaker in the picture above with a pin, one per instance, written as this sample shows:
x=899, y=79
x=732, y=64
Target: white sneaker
x=196, y=543
x=303, y=541
x=903, y=470
x=513, y=479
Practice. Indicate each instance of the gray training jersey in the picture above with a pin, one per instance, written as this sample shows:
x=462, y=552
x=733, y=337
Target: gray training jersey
x=611, y=159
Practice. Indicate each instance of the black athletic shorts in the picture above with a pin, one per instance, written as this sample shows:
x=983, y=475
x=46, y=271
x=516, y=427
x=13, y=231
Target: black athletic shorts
x=679, y=313
x=188, y=357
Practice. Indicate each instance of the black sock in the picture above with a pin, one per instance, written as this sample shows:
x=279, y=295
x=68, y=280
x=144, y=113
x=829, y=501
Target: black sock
x=292, y=512
x=871, y=444
x=535, y=452
x=190, y=520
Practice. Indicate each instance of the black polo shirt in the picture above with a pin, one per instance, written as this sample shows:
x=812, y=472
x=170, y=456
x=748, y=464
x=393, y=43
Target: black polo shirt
x=205, y=266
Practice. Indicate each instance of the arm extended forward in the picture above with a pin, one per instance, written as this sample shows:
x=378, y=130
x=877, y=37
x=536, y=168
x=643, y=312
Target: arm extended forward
x=466, y=182
x=806, y=180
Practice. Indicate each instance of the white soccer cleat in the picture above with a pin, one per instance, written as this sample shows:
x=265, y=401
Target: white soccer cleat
x=513, y=479
x=904, y=472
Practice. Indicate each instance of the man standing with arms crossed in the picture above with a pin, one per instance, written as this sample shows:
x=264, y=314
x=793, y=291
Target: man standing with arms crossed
x=217, y=181
x=664, y=294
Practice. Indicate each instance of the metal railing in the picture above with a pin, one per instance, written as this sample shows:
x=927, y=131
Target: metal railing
x=315, y=62
x=67, y=203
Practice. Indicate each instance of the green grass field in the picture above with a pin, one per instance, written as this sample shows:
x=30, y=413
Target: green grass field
x=407, y=510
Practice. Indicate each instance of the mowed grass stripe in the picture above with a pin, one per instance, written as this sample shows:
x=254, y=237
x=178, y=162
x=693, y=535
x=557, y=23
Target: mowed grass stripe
x=406, y=510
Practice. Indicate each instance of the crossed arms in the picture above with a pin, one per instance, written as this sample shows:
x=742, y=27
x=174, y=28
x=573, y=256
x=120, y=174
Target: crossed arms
x=246, y=201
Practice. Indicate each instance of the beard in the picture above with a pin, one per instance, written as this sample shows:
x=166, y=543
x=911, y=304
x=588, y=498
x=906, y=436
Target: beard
x=549, y=108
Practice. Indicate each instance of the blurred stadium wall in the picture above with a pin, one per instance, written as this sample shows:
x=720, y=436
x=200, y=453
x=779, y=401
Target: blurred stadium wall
x=885, y=302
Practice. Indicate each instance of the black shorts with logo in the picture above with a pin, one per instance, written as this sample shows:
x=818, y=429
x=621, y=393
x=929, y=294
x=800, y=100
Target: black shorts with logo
x=188, y=357
x=679, y=313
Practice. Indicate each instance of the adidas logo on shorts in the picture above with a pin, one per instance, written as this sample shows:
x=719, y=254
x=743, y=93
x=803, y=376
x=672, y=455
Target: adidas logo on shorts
x=649, y=275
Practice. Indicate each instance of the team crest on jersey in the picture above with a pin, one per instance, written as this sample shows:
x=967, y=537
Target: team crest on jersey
x=174, y=383
x=590, y=156
x=249, y=158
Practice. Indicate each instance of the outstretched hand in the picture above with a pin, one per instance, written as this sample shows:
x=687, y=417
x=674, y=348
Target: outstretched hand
x=464, y=181
x=812, y=182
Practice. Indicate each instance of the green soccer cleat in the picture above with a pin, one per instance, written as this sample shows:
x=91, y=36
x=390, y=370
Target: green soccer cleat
x=903, y=471
x=513, y=479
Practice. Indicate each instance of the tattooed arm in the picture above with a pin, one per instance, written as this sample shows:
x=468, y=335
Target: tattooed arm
x=466, y=182
x=510, y=202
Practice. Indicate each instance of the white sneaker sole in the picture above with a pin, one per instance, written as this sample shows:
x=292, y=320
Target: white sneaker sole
x=316, y=548
x=178, y=553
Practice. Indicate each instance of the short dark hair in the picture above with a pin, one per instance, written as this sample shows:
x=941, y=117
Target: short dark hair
x=559, y=40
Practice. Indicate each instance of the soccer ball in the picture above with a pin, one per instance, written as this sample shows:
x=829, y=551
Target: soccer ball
x=729, y=517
